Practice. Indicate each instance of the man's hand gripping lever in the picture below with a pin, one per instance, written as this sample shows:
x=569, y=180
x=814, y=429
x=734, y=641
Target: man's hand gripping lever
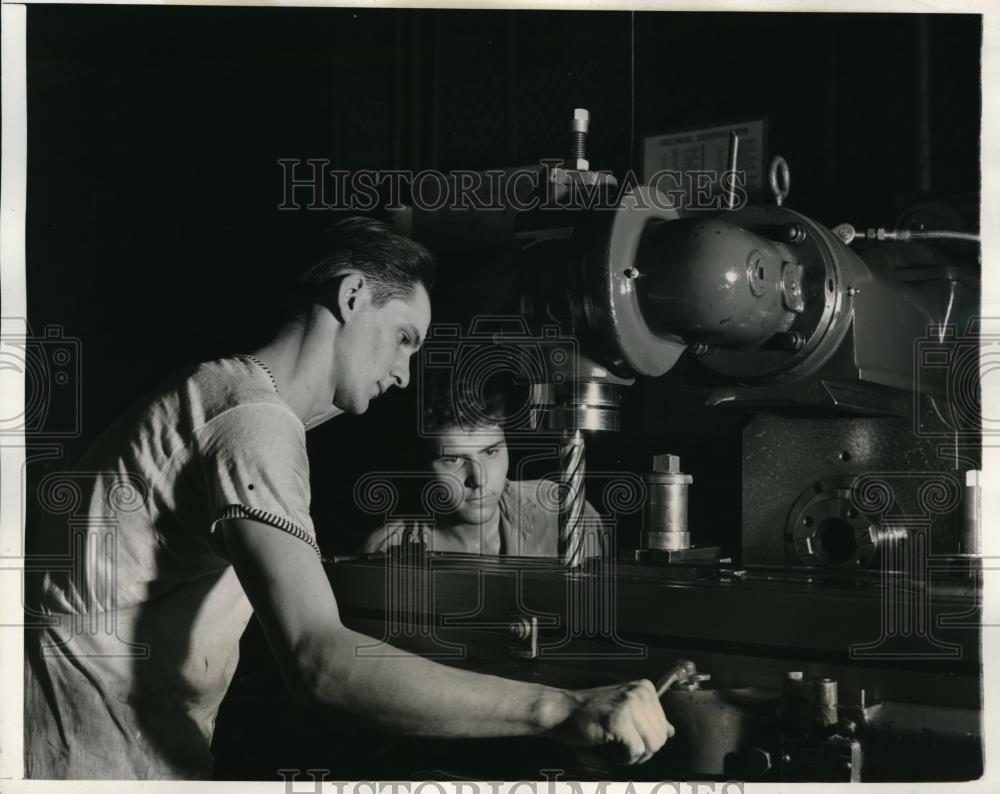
x=627, y=719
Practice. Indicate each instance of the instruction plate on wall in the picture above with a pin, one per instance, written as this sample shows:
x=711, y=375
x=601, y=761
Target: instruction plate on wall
x=675, y=159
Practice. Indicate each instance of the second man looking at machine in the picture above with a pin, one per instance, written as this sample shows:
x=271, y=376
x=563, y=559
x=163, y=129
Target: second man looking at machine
x=477, y=509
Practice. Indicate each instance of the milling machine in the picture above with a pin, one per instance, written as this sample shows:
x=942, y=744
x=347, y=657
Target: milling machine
x=840, y=641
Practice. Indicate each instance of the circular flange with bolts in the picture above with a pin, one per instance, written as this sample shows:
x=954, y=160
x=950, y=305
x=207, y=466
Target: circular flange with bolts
x=825, y=530
x=612, y=309
x=824, y=321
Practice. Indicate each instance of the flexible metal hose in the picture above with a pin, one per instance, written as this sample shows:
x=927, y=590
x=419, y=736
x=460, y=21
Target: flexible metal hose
x=911, y=235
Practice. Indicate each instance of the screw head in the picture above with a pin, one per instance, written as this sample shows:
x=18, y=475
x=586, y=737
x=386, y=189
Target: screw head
x=793, y=340
x=795, y=233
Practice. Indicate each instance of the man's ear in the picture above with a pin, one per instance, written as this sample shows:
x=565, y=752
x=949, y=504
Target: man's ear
x=351, y=295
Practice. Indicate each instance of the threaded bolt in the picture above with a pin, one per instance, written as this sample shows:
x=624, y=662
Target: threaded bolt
x=578, y=138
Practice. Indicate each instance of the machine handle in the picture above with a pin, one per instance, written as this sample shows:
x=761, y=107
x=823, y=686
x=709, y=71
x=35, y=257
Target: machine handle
x=682, y=671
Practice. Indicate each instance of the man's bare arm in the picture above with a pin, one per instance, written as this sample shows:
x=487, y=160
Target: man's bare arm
x=403, y=692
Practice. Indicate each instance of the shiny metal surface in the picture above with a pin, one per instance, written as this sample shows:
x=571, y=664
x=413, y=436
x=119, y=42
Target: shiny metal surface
x=572, y=498
x=710, y=281
x=666, y=541
x=572, y=404
x=665, y=516
x=811, y=298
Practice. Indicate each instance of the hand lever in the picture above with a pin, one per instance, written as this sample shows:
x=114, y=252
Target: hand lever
x=684, y=674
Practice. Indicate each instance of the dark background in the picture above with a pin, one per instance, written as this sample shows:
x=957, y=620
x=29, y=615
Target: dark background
x=154, y=133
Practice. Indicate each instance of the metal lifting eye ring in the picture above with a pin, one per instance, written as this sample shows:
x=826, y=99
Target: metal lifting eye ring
x=780, y=179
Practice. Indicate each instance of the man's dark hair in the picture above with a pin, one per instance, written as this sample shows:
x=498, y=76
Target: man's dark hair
x=448, y=403
x=393, y=263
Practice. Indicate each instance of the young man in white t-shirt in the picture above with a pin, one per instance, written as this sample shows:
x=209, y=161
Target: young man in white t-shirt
x=192, y=512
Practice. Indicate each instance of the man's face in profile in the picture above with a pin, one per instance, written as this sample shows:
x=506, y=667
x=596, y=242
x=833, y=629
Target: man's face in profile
x=471, y=465
x=375, y=347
